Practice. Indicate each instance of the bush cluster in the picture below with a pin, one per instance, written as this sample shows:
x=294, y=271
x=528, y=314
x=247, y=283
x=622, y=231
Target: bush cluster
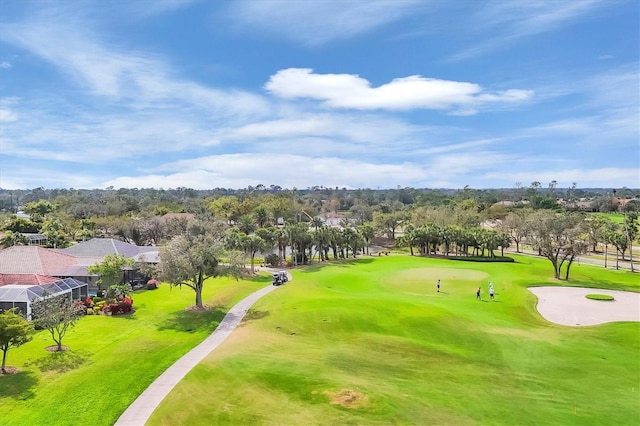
x=272, y=259
x=119, y=308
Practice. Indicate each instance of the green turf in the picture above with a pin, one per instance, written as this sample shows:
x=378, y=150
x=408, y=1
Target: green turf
x=111, y=359
x=596, y=296
x=377, y=331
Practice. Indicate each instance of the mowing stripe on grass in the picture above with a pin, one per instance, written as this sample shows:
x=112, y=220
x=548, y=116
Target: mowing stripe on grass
x=140, y=410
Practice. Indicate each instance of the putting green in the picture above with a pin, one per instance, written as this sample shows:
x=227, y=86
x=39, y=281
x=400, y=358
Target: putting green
x=422, y=281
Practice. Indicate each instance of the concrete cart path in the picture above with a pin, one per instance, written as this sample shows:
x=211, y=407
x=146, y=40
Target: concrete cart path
x=140, y=410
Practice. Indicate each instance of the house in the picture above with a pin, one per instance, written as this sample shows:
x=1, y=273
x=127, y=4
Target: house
x=35, y=239
x=21, y=290
x=73, y=262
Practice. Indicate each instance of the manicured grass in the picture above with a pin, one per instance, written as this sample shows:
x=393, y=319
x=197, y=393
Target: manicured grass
x=111, y=359
x=599, y=297
x=375, y=336
x=613, y=217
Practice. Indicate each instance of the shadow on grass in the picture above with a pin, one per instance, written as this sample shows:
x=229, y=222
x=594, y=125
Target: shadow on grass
x=131, y=316
x=193, y=321
x=261, y=278
x=333, y=262
x=18, y=386
x=60, y=362
x=589, y=282
x=254, y=315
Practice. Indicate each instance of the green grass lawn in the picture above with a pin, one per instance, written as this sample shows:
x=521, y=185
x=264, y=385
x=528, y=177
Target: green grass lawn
x=613, y=217
x=371, y=342
x=111, y=359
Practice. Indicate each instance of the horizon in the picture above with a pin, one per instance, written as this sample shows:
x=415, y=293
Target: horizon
x=357, y=94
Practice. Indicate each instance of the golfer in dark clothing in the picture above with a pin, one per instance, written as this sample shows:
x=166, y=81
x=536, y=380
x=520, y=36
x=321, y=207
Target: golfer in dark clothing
x=438, y=285
x=478, y=294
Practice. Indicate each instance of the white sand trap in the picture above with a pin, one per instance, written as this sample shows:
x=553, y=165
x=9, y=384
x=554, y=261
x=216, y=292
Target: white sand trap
x=569, y=306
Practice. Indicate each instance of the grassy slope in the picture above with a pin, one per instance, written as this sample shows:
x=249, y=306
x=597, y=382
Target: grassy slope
x=379, y=328
x=112, y=359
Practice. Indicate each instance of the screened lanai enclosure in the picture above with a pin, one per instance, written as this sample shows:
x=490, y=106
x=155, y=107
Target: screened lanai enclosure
x=21, y=296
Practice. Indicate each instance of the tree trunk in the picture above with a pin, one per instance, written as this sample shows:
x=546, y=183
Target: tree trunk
x=517, y=246
x=4, y=359
x=556, y=267
x=617, y=259
x=631, y=254
x=606, y=252
x=411, y=249
x=198, y=289
x=253, y=256
x=566, y=276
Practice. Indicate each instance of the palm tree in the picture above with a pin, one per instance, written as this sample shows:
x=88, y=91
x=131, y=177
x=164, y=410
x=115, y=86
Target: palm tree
x=321, y=239
x=246, y=224
x=367, y=232
x=261, y=216
x=252, y=244
x=316, y=222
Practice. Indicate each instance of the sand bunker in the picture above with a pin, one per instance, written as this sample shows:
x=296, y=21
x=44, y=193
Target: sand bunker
x=569, y=305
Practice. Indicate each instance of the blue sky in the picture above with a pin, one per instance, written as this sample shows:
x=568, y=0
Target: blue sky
x=361, y=94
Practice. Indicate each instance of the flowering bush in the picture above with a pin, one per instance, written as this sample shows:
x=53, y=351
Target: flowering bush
x=122, y=307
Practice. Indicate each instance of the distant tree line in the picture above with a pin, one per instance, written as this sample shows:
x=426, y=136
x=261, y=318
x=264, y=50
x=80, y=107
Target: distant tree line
x=297, y=226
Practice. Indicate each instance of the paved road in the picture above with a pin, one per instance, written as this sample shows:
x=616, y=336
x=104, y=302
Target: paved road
x=611, y=262
x=140, y=410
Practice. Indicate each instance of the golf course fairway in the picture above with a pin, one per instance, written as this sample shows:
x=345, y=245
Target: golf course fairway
x=371, y=341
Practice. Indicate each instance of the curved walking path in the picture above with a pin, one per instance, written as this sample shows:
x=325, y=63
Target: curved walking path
x=140, y=410
x=569, y=305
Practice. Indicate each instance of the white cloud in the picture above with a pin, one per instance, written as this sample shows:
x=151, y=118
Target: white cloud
x=508, y=21
x=318, y=22
x=138, y=79
x=286, y=170
x=352, y=91
x=6, y=115
x=366, y=130
x=303, y=170
x=5, y=65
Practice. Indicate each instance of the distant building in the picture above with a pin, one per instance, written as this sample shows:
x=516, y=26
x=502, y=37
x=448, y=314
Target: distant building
x=74, y=262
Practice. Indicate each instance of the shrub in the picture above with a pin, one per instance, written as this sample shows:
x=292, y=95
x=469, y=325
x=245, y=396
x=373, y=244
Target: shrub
x=119, y=308
x=272, y=259
x=152, y=286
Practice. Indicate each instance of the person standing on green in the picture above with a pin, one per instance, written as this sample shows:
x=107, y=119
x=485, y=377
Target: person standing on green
x=438, y=286
x=491, y=290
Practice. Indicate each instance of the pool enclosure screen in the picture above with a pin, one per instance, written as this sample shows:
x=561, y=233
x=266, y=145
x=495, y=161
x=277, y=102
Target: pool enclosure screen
x=22, y=296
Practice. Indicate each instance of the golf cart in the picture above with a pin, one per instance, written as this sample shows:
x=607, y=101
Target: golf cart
x=280, y=278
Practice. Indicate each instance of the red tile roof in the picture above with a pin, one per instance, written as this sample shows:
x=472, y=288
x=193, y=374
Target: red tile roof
x=34, y=260
x=26, y=279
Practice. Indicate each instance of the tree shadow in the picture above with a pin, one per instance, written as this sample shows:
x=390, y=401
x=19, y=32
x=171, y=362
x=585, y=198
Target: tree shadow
x=60, y=362
x=193, y=321
x=18, y=386
x=253, y=315
x=334, y=262
x=260, y=278
x=130, y=316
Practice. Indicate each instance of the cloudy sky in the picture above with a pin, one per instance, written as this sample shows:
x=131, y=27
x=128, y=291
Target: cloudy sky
x=362, y=94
